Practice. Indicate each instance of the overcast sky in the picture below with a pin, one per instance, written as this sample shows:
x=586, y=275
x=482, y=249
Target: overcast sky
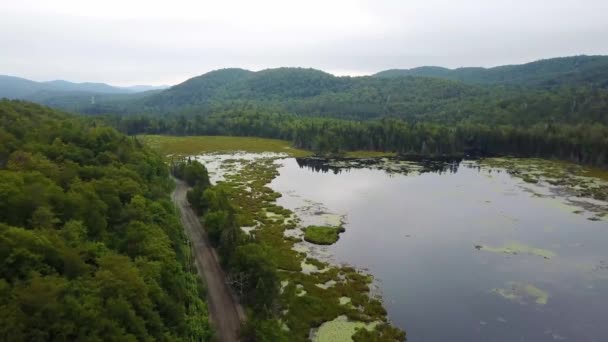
x=126, y=42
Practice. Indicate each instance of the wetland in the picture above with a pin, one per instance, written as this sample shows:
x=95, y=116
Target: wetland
x=498, y=249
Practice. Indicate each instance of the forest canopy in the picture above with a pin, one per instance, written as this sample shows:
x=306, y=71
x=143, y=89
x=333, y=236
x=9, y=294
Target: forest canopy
x=90, y=244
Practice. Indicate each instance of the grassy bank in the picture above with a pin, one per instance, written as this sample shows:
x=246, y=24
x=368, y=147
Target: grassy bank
x=191, y=145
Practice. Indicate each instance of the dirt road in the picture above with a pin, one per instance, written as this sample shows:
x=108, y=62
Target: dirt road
x=226, y=314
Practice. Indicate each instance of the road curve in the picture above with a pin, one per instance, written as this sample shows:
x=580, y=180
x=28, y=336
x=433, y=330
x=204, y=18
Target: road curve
x=225, y=312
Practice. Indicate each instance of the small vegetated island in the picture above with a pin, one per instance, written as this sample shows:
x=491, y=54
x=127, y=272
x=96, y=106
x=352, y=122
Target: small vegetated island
x=323, y=235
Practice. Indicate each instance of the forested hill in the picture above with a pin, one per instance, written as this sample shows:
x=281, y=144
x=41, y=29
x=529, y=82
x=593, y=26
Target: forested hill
x=228, y=85
x=309, y=92
x=198, y=90
x=90, y=245
x=563, y=71
x=509, y=95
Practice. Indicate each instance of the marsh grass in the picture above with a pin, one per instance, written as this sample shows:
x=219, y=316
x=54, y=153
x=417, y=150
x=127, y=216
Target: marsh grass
x=304, y=305
x=192, y=145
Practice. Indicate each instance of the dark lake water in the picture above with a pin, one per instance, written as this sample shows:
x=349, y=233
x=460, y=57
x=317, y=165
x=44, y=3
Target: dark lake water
x=417, y=235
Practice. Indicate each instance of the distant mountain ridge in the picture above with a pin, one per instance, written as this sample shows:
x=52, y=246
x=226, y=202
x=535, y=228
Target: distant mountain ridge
x=576, y=70
x=296, y=84
x=568, y=89
x=21, y=88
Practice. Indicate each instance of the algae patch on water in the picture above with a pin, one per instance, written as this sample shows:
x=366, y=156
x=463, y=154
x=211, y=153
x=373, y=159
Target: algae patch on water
x=515, y=248
x=322, y=235
x=327, y=284
x=523, y=293
x=345, y=300
x=340, y=329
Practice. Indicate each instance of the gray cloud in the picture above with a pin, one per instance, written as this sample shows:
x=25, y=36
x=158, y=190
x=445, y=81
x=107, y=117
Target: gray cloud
x=154, y=42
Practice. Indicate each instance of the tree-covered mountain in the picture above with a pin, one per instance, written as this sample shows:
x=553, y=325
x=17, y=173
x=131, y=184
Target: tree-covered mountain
x=90, y=244
x=309, y=92
x=304, y=91
x=20, y=88
x=197, y=90
x=513, y=95
x=569, y=71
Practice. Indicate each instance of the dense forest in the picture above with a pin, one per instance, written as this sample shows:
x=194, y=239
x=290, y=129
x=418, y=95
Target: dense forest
x=413, y=99
x=581, y=143
x=90, y=244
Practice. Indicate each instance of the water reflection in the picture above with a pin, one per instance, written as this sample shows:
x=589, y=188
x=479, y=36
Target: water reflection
x=392, y=165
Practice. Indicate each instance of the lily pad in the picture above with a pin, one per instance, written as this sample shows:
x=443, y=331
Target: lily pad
x=340, y=329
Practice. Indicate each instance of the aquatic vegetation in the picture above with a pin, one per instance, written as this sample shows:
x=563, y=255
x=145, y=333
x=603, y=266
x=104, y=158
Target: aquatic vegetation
x=523, y=293
x=340, y=329
x=327, y=284
x=284, y=284
x=321, y=235
x=518, y=248
x=344, y=300
x=588, y=186
x=333, y=220
x=299, y=291
x=541, y=297
x=308, y=268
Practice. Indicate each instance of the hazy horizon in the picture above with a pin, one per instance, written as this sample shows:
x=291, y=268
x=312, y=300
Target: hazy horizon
x=126, y=43
x=352, y=74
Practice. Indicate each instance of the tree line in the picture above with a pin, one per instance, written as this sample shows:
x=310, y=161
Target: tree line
x=581, y=143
